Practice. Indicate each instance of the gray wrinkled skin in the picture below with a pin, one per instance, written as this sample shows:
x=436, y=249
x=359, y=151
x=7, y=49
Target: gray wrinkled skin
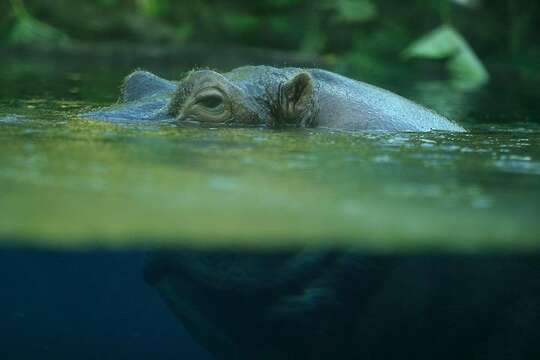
x=342, y=304
x=273, y=97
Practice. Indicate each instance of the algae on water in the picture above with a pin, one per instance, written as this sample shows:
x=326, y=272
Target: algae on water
x=70, y=182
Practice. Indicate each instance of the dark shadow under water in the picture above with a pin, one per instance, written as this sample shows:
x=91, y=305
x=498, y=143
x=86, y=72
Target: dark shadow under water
x=312, y=304
x=348, y=304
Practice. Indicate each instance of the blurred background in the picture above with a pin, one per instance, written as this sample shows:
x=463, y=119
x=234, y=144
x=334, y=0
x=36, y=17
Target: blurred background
x=469, y=35
x=469, y=44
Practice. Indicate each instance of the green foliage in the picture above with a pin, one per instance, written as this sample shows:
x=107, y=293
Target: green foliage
x=184, y=31
x=355, y=11
x=446, y=43
x=240, y=22
x=107, y=3
x=351, y=32
x=27, y=29
x=152, y=7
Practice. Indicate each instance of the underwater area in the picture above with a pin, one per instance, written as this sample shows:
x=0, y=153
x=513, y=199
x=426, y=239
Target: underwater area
x=169, y=240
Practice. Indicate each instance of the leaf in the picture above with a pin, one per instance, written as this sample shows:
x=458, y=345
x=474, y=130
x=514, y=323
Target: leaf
x=441, y=43
x=468, y=69
x=447, y=43
x=29, y=30
x=355, y=10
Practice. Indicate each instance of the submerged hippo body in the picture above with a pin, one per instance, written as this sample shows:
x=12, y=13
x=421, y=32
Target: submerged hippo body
x=275, y=97
x=339, y=304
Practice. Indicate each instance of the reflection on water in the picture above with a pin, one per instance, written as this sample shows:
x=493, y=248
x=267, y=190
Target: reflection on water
x=430, y=240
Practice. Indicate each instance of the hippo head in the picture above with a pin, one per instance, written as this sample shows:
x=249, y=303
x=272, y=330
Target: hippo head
x=206, y=96
x=251, y=95
x=233, y=302
x=248, y=96
x=272, y=97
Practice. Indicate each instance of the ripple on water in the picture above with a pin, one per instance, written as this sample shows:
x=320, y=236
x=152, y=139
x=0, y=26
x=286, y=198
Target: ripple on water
x=71, y=177
x=13, y=119
x=518, y=164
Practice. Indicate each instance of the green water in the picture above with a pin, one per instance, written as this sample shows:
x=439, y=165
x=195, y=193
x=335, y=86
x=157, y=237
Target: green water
x=71, y=182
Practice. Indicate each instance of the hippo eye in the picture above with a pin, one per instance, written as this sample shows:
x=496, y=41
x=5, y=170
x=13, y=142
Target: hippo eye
x=209, y=105
x=210, y=101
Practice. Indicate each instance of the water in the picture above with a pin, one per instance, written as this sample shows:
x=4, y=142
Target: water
x=256, y=187
x=249, y=186
x=81, y=185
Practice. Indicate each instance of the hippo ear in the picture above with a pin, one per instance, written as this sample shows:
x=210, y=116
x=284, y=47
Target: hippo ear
x=295, y=103
x=141, y=84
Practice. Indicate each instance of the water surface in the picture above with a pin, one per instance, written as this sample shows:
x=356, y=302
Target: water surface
x=71, y=182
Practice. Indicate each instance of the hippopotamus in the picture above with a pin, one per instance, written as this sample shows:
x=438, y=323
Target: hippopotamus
x=319, y=303
x=272, y=97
